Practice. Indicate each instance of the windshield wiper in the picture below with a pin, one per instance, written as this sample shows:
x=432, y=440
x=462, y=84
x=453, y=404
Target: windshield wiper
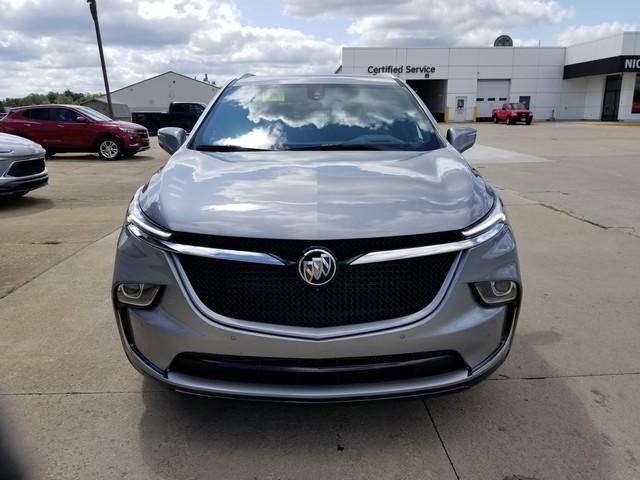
x=337, y=146
x=227, y=148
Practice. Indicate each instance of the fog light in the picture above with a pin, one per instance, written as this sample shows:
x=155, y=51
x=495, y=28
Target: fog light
x=497, y=292
x=137, y=294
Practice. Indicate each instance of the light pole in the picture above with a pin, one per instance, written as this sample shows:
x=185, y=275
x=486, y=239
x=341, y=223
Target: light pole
x=94, y=15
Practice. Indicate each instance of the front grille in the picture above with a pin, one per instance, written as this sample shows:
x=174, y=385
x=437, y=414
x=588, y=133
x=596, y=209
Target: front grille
x=142, y=133
x=25, y=168
x=335, y=371
x=277, y=295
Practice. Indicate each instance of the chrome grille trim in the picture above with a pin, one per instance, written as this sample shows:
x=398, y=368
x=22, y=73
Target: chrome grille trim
x=402, y=254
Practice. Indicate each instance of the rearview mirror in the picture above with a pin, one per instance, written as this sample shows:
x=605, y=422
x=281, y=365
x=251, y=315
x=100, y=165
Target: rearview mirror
x=462, y=138
x=171, y=139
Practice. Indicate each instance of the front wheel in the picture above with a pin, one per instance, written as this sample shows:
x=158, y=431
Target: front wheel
x=495, y=119
x=529, y=120
x=109, y=149
x=511, y=121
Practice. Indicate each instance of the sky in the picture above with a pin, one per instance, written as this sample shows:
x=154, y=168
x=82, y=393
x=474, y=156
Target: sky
x=50, y=44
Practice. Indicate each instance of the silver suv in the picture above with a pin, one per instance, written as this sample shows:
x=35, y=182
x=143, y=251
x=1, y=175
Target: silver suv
x=316, y=239
x=22, y=166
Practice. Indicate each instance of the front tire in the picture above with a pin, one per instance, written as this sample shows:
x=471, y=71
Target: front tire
x=511, y=121
x=495, y=119
x=109, y=149
x=529, y=121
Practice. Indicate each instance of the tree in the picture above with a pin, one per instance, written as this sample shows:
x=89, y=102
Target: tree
x=67, y=96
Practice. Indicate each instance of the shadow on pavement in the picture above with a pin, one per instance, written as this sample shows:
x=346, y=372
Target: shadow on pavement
x=15, y=207
x=535, y=429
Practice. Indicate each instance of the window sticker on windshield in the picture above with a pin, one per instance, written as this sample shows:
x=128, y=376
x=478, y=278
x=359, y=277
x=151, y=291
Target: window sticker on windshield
x=273, y=96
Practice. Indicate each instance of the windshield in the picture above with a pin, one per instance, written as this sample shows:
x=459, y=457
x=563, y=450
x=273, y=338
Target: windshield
x=317, y=116
x=518, y=106
x=94, y=114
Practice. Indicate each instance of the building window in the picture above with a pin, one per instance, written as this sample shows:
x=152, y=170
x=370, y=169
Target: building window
x=635, y=108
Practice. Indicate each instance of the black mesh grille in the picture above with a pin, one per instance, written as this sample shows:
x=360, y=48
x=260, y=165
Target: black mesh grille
x=26, y=167
x=277, y=294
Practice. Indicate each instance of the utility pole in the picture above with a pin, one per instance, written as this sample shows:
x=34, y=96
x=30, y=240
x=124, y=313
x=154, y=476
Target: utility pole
x=94, y=15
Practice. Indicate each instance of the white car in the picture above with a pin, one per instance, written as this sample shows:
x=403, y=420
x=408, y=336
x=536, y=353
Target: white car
x=22, y=166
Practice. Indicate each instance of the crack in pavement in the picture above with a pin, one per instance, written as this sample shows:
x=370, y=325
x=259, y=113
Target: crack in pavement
x=444, y=447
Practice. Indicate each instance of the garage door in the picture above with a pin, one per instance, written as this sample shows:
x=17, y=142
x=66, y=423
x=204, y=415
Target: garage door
x=491, y=94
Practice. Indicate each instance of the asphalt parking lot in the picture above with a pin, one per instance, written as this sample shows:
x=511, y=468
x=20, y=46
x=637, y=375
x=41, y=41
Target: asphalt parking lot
x=563, y=406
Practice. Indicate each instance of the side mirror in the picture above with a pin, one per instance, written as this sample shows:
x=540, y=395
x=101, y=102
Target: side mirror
x=461, y=138
x=171, y=139
x=81, y=119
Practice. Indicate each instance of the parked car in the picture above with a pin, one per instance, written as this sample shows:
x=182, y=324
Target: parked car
x=75, y=128
x=512, y=113
x=2, y=115
x=22, y=166
x=317, y=239
x=180, y=114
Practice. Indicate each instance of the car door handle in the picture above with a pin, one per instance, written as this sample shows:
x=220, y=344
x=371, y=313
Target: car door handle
x=27, y=124
x=60, y=126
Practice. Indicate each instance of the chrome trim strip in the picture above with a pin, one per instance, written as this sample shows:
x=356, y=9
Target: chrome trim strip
x=222, y=254
x=217, y=253
x=402, y=254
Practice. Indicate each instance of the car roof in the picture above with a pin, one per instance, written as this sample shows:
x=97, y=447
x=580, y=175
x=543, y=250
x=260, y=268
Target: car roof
x=315, y=79
x=45, y=105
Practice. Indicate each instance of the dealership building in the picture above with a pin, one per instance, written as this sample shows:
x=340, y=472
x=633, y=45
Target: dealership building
x=596, y=80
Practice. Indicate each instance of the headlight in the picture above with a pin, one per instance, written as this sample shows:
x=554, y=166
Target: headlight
x=127, y=130
x=496, y=216
x=497, y=292
x=139, y=224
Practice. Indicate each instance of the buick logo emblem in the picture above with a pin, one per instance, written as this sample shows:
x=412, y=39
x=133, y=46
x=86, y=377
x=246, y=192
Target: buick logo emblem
x=317, y=267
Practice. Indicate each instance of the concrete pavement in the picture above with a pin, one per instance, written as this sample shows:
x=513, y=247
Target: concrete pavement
x=564, y=406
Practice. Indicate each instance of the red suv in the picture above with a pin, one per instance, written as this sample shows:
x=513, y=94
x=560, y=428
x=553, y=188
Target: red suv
x=74, y=128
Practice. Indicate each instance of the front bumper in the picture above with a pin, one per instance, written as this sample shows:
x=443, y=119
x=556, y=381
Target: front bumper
x=480, y=335
x=12, y=185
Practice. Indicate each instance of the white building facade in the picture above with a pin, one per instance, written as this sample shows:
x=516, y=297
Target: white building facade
x=597, y=80
x=156, y=93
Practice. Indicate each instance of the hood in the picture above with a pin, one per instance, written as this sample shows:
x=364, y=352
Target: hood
x=120, y=123
x=316, y=195
x=14, y=147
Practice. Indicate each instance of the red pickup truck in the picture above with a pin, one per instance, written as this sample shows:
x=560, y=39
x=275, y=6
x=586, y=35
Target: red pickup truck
x=512, y=113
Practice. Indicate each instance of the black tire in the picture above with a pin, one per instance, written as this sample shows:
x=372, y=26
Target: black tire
x=109, y=148
x=495, y=119
x=529, y=121
x=511, y=121
x=152, y=128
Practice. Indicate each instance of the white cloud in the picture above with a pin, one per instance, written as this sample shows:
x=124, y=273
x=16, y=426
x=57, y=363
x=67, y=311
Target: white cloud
x=584, y=33
x=46, y=47
x=432, y=22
